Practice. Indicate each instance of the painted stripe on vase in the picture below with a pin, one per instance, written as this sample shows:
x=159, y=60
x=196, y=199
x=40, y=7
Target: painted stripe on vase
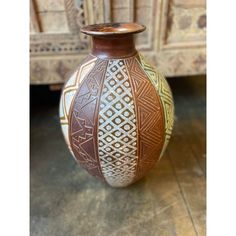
x=150, y=118
x=117, y=130
x=83, y=124
x=164, y=92
x=68, y=95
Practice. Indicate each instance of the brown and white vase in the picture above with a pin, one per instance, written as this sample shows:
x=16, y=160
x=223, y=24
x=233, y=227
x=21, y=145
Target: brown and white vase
x=116, y=110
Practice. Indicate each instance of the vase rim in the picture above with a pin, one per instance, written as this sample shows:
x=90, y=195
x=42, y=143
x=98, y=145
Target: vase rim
x=113, y=28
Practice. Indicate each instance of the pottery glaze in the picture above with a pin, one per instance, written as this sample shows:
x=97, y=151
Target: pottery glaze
x=116, y=110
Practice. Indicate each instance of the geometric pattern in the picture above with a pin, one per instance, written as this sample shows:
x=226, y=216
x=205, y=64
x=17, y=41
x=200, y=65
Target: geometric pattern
x=115, y=122
x=163, y=90
x=117, y=131
x=68, y=93
x=150, y=118
x=83, y=119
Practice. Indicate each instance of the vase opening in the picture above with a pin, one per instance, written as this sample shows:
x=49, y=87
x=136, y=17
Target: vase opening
x=113, y=29
x=113, y=40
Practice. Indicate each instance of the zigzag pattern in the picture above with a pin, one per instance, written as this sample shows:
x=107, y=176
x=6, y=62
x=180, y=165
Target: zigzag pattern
x=118, y=125
x=149, y=116
x=83, y=125
x=68, y=94
x=163, y=90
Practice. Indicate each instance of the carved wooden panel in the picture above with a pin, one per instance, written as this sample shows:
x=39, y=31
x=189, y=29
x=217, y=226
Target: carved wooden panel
x=174, y=40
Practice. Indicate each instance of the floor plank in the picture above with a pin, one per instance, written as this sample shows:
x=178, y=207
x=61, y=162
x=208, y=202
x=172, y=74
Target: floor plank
x=186, y=152
x=191, y=181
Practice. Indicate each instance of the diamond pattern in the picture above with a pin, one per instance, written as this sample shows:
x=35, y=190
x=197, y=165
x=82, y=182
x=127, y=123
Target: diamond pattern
x=117, y=132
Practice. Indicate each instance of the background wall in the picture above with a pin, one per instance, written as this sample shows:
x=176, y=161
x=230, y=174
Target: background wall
x=174, y=40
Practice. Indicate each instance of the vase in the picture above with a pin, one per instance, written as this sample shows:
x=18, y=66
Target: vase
x=116, y=110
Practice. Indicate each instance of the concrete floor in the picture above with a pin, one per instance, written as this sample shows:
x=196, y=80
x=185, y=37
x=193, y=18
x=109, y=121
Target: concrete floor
x=66, y=201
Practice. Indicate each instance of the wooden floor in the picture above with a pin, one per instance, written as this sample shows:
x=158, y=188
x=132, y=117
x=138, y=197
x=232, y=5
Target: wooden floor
x=187, y=150
x=170, y=200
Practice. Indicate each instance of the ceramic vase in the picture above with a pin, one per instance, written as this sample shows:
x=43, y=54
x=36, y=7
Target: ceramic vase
x=116, y=110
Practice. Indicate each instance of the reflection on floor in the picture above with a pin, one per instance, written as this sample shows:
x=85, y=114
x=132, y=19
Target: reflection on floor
x=170, y=200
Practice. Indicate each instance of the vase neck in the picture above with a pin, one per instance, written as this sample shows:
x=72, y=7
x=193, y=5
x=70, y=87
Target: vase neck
x=108, y=47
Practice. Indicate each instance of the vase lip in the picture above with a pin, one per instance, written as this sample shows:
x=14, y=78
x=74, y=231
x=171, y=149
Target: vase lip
x=116, y=28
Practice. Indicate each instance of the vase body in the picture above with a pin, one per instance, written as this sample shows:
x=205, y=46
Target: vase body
x=116, y=111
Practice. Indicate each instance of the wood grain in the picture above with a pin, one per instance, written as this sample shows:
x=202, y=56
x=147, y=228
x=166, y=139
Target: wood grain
x=186, y=152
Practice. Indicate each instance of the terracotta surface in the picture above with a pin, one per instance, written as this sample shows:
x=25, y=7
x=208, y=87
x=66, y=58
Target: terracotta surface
x=113, y=46
x=113, y=29
x=84, y=119
x=119, y=108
